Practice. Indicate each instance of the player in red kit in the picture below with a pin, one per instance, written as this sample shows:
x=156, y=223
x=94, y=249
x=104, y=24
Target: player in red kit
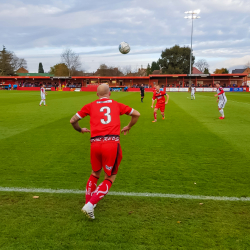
x=106, y=151
x=161, y=102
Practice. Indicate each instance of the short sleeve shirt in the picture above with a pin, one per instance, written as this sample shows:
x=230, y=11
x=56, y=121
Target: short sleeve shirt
x=104, y=116
x=42, y=91
x=221, y=94
x=160, y=97
x=142, y=90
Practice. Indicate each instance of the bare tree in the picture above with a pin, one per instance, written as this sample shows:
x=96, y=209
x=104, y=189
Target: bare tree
x=201, y=65
x=72, y=60
x=126, y=70
x=10, y=63
x=17, y=62
x=247, y=65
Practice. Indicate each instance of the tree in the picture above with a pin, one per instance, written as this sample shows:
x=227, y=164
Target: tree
x=221, y=71
x=59, y=69
x=6, y=67
x=10, y=63
x=149, y=70
x=78, y=72
x=104, y=70
x=176, y=60
x=201, y=65
x=247, y=65
x=71, y=60
x=155, y=66
x=126, y=70
x=115, y=71
x=206, y=71
x=40, y=68
x=17, y=62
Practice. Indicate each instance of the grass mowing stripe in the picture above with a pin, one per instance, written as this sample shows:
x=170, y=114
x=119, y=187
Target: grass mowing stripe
x=175, y=196
x=229, y=100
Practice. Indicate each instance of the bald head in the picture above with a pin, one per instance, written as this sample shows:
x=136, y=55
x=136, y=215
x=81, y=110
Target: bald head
x=103, y=90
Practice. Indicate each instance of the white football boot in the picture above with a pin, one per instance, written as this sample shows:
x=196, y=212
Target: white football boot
x=88, y=209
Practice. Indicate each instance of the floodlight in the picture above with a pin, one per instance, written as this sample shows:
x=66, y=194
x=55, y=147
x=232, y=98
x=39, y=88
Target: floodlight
x=192, y=12
x=193, y=15
x=197, y=11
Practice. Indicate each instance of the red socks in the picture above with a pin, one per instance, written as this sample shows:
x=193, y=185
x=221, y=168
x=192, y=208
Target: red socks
x=155, y=115
x=91, y=187
x=101, y=191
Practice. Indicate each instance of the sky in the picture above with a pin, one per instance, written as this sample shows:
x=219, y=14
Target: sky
x=40, y=31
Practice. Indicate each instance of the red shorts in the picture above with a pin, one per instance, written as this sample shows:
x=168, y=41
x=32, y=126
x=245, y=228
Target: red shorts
x=160, y=106
x=106, y=155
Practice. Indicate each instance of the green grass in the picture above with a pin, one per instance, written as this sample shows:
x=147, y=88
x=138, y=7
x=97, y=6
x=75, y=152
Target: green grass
x=40, y=149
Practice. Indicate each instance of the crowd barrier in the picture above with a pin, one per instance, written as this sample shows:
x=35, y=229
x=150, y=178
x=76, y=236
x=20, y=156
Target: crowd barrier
x=94, y=89
x=138, y=90
x=90, y=88
x=206, y=89
x=34, y=88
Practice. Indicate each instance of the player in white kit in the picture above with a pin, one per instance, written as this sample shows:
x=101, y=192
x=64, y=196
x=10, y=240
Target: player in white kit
x=193, y=92
x=222, y=100
x=43, y=94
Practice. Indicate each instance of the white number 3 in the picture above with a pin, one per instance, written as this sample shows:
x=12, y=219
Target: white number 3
x=106, y=114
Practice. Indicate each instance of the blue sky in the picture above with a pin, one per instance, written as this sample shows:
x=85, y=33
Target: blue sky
x=39, y=31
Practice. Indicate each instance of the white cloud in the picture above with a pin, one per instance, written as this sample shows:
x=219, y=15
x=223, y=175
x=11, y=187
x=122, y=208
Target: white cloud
x=40, y=30
x=7, y=10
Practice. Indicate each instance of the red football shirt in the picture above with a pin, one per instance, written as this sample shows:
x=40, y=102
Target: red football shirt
x=104, y=116
x=160, y=97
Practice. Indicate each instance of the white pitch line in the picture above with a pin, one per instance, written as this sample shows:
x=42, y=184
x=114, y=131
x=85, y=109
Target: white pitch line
x=174, y=196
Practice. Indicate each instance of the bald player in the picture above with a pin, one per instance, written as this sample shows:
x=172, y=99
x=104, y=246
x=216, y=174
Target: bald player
x=105, y=150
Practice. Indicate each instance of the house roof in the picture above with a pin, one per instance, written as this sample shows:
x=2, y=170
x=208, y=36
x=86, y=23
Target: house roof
x=156, y=72
x=196, y=71
x=34, y=74
x=238, y=71
x=22, y=70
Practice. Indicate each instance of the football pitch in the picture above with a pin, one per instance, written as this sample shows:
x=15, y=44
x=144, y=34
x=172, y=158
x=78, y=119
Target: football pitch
x=183, y=182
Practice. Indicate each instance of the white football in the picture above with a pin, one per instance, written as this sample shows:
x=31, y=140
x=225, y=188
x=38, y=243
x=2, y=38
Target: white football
x=124, y=48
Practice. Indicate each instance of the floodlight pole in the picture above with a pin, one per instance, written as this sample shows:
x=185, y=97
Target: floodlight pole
x=192, y=12
x=191, y=51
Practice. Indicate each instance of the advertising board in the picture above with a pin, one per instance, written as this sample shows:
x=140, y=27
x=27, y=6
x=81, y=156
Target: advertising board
x=238, y=90
x=183, y=89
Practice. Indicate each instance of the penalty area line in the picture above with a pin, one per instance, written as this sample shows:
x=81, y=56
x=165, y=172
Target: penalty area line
x=160, y=195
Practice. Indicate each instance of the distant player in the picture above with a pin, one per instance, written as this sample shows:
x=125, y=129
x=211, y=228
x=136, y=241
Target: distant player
x=193, y=90
x=142, y=92
x=105, y=150
x=161, y=102
x=222, y=100
x=43, y=94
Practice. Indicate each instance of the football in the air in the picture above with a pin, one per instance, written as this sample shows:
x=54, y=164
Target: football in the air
x=124, y=48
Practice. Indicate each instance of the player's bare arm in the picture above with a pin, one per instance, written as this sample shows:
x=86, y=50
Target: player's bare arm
x=153, y=101
x=167, y=99
x=74, y=121
x=134, y=118
x=217, y=98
